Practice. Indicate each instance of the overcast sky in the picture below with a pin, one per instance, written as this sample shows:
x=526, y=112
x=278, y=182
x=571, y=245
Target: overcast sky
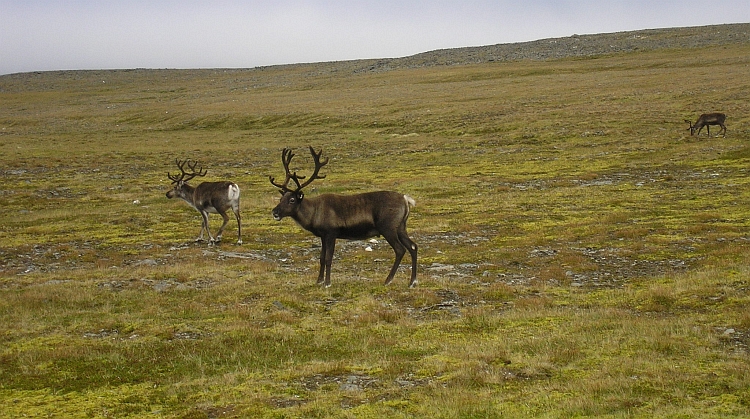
x=40, y=35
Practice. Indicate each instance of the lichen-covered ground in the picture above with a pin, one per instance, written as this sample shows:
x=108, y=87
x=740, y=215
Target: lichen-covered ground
x=580, y=254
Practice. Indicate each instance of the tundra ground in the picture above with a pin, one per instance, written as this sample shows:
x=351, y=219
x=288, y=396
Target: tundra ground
x=581, y=255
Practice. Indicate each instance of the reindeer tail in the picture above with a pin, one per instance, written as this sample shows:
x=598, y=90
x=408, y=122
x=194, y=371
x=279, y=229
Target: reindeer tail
x=410, y=202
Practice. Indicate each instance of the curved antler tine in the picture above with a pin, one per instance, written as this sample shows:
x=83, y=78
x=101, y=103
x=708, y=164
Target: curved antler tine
x=318, y=162
x=296, y=179
x=286, y=158
x=200, y=172
x=318, y=165
x=177, y=178
x=282, y=187
x=186, y=176
x=317, y=155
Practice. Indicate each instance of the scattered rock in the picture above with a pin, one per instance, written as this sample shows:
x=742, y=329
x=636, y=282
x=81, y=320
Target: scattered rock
x=439, y=267
x=351, y=382
x=146, y=262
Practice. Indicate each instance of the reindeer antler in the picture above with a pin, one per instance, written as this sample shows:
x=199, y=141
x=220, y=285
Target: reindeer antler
x=318, y=166
x=183, y=174
x=286, y=158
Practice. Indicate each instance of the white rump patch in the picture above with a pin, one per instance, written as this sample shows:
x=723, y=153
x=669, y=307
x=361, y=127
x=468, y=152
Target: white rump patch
x=410, y=202
x=234, y=192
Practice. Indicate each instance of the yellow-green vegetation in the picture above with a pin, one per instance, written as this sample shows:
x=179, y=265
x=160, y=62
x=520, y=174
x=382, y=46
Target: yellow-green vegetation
x=580, y=254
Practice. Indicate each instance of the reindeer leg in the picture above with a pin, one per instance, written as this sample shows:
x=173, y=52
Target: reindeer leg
x=399, y=249
x=200, y=237
x=412, y=248
x=326, y=259
x=205, y=226
x=221, y=229
x=321, y=272
x=239, y=224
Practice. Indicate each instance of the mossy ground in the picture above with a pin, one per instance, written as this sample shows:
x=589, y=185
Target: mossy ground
x=580, y=254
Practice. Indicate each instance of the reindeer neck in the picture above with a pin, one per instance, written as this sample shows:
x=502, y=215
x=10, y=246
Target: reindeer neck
x=187, y=193
x=305, y=215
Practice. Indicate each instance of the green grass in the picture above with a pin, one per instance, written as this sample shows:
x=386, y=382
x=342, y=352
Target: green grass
x=580, y=254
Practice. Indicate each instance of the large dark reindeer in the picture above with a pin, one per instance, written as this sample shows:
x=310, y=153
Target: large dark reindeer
x=208, y=197
x=706, y=120
x=351, y=217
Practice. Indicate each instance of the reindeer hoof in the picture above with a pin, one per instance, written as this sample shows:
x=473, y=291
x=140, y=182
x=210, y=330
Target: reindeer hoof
x=239, y=242
x=413, y=284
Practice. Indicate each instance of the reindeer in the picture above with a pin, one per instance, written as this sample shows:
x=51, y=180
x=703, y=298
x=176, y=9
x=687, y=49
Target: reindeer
x=706, y=120
x=350, y=217
x=208, y=197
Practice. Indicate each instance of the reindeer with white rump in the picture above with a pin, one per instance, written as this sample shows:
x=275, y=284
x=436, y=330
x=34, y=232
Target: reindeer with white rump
x=706, y=120
x=208, y=197
x=351, y=217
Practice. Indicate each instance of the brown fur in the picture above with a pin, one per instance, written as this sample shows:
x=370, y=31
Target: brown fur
x=706, y=120
x=208, y=197
x=351, y=217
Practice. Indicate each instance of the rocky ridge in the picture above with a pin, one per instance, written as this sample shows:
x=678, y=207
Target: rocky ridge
x=581, y=46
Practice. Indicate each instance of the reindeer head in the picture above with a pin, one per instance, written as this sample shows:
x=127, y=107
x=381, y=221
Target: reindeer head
x=292, y=198
x=180, y=181
x=691, y=128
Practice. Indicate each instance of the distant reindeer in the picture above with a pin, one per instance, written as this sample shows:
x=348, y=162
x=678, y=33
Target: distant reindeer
x=706, y=120
x=208, y=197
x=351, y=217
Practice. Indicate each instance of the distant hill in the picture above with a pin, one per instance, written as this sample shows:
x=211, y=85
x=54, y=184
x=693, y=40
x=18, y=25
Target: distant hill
x=543, y=49
x=551, y=48
x=575, y=46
